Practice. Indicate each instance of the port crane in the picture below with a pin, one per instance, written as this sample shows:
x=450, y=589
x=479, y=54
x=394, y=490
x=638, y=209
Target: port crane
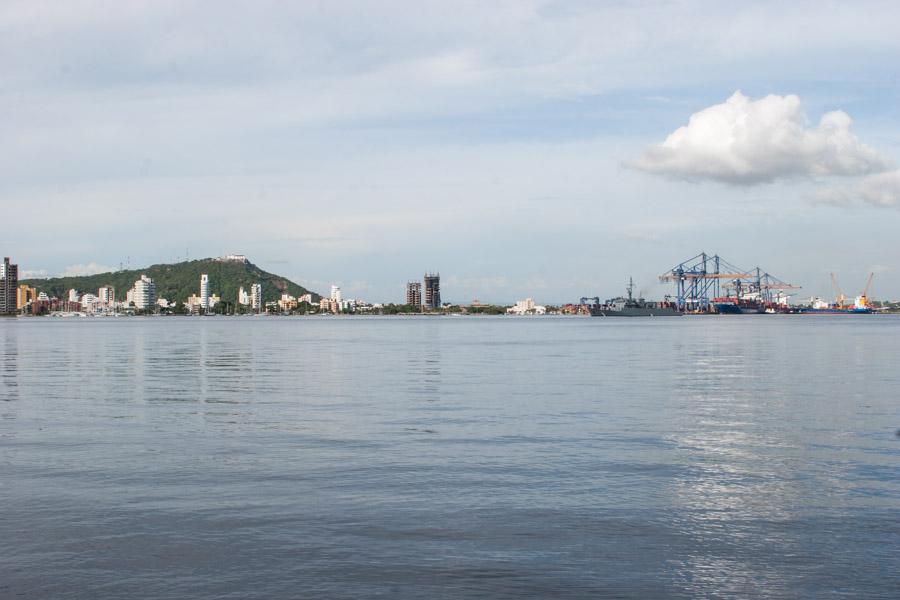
x=839, y=296
x=862, y=301
x=702, y=278
x=864, y=297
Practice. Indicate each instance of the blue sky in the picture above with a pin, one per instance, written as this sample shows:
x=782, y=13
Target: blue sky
x=508, y=145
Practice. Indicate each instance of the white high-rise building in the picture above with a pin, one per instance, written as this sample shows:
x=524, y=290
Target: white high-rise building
x=204, y=292
x=336, y=293
x=106, y=295
x=256, y=296
x=73, y=295
x=144, y=293
x=243, y=297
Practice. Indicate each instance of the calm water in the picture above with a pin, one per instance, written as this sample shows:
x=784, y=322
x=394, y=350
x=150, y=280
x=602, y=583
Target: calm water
x=450, y=457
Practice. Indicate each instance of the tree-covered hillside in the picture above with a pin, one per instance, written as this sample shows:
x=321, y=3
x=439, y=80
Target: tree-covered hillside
x=178, y=281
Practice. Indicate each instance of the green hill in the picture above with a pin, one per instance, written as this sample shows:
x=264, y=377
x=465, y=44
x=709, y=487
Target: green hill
x=178, y=281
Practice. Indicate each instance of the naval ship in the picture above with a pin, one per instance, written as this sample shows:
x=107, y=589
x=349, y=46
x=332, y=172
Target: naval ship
x=633, y=307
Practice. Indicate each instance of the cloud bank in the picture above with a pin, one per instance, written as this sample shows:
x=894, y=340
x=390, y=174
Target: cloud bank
x=88, y=269
x=881, y=190
x=746, y=142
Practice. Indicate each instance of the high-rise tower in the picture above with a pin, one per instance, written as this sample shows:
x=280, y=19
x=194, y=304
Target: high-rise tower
x=414, y=293
x=9, y=284
x=432, y=291
x=143, y=293
x=204, y=292
x=256, y=297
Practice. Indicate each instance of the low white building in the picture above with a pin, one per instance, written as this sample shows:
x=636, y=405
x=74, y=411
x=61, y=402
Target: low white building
x=526, y=307
x=89, y=303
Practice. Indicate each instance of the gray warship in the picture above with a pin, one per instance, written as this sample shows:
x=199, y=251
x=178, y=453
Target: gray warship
x=631, y=306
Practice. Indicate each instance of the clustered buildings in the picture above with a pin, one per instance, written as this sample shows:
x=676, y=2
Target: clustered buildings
x=336, y=303
x=143, y=297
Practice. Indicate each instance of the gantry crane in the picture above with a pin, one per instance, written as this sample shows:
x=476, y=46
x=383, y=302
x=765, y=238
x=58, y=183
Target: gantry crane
x=701, y=278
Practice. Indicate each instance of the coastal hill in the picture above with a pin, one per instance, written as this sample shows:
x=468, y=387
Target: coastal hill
x=178, y=281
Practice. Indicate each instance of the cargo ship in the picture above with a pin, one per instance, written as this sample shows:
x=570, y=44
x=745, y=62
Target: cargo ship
x=819, y=307
x=860, y=304
x=633, y=307
x=735, y=306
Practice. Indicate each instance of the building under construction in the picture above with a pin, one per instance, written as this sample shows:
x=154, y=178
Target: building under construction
x=432, y=291
x=709, y=283
x=414, y=293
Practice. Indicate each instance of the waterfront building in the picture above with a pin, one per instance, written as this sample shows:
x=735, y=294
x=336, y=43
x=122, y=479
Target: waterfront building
x=414, y=293
x=192, y=304
x=41, y=306
x=305, y=298
x=433, y=291
x=336, y=294
x=106, y=295
x=204, y=292
x=287, y=302
x=256, y=297
x=329, y=305
x=89, y=302
x=526, y=307
x=9, y=284
x=25, y=295
x=74, y=296
x=243, y=297
x=143, y=294
x=213, y=300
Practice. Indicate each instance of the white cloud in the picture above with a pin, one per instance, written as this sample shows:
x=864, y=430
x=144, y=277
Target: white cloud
x=744, y=141
x=91, y=268
x=34, y=274
x=881, y=190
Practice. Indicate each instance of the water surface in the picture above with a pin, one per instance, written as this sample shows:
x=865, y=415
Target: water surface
x=449, y=457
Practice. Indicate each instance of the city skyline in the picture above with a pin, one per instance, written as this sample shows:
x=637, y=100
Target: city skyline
x=529, y=149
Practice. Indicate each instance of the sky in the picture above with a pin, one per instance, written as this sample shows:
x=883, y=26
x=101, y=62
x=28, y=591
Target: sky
x=521, y=149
